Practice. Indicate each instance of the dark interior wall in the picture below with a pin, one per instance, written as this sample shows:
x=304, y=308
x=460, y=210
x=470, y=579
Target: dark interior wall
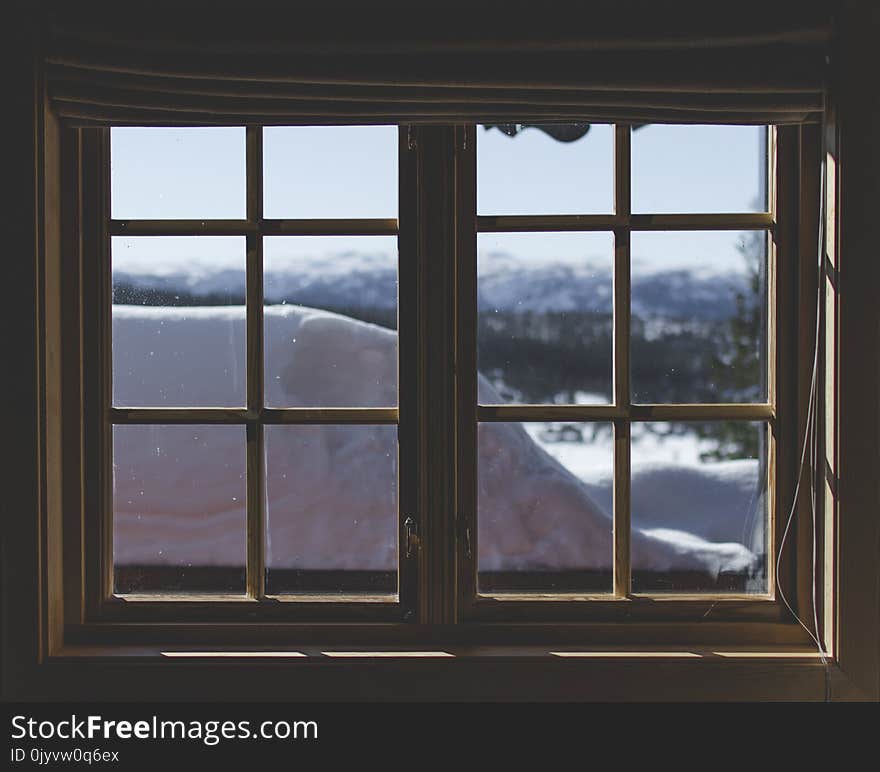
x=857, y=98
x=20, y=503
x=19, y=526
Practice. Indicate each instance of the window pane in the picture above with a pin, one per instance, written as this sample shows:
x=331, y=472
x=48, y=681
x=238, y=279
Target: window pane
x=681, y=169
x=544, y=507
x=179, y=517
x=545, y=317
x=174, y=174
x=699, y=490
x=178, y=315
x=556, y=169
x=331, y=494
x=330, y=171
x=330, y=321
x=699, y=317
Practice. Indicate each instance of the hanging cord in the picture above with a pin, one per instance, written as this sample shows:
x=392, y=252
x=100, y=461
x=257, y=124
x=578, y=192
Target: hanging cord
x=811, y=443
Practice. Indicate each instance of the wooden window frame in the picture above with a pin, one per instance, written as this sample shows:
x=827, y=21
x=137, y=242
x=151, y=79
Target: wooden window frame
x=66, y=652
x=437, y=311
x=621, y=602
x=255, y=605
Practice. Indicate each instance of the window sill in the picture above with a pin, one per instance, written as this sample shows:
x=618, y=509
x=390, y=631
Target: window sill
x=313, y=654
x=458, y=673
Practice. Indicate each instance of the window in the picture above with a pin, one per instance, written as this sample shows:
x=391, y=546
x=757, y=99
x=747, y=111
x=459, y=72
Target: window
x=622, y=311
x=84, y=72
x=252, y=398
x=612, y=397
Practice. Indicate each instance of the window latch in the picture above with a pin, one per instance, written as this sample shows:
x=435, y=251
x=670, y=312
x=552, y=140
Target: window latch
x=413, y=542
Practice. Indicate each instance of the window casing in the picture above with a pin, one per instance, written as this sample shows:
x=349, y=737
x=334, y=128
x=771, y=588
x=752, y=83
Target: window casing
x=438, y=415
x=57, y=645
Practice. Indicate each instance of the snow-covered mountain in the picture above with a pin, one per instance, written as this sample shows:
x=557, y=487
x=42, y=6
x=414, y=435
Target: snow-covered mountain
x=359, y=280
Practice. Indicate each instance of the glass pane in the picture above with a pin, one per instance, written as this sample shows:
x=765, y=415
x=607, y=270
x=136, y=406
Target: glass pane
x=683, y=169
x=178, y=316
x=699, y=505
x=177, y=174
x=179, y=509
x=330, y=171
x=330, y=321
x=544, y=304
x=544, y=507
x=331, y=504
x=545, y=169
x=699, y=317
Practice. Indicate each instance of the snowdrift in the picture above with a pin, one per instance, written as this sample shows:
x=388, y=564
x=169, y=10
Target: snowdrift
x=331, y=493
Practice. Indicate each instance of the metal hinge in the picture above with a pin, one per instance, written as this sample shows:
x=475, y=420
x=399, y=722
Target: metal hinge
x=413, y=543
x=410, y=138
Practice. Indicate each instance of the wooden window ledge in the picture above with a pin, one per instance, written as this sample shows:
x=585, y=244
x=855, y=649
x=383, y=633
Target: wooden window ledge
x=441, y=673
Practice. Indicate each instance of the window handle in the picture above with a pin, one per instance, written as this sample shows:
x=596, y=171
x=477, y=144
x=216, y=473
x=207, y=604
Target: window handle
x=413, y=542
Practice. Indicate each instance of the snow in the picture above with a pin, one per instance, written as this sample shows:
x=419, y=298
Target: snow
x=331, y=495
x=361, y=272
x=318, y=359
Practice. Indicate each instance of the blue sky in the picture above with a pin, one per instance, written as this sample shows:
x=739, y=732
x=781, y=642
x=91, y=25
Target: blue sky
x=352, y=172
